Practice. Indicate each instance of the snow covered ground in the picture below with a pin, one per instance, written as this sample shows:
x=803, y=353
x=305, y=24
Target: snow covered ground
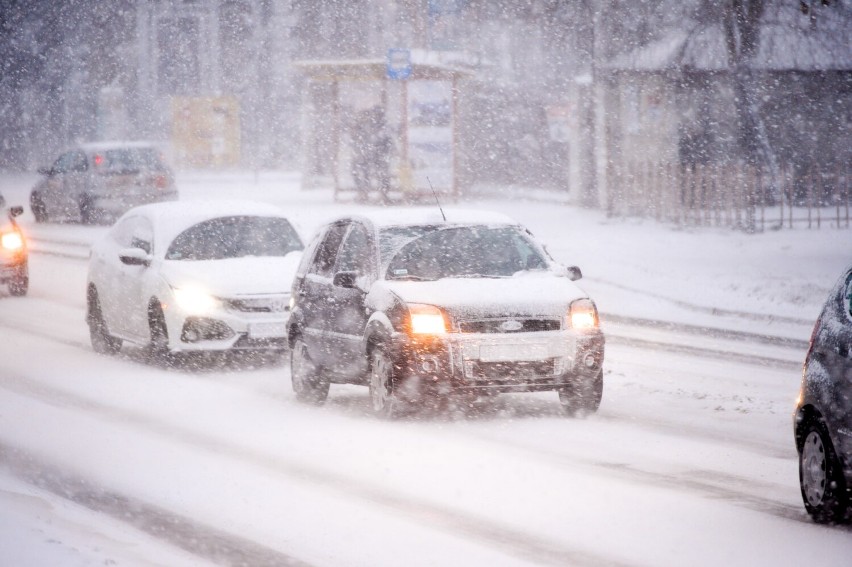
x=690, y=460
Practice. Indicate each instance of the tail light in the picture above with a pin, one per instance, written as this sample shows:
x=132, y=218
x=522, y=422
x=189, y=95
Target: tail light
x=161, y=181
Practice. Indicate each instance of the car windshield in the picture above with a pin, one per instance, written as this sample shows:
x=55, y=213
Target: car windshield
x=127, y=160
x=469, y=251
x=235, y=237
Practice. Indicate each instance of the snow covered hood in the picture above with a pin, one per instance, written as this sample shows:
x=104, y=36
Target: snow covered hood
x=234, y=276
x=528, y=293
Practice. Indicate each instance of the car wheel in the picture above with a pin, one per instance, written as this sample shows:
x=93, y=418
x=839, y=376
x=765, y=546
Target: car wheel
x=384, y=399
x=820, y=476
x=308, y=383
x=102, y=341
x=38, y=208
x=159, y=345
x=583, y=397
x=20, y=282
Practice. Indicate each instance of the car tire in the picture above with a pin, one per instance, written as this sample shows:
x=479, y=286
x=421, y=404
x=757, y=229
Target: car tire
x=308, y=382
x=102, y=341
x=88, y=214
x=38, y=208
x=821, y=477
x=19, y=285
x=582, y=398
x=159, y=345
x=384, y=399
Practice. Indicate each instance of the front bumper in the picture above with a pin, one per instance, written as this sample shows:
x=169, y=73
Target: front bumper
x=228, y=329
x=489, y=363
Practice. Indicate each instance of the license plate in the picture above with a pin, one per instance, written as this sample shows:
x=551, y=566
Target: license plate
x=515, y=352
x=267, y=329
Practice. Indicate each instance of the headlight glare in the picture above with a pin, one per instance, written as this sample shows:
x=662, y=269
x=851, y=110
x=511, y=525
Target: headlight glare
x=583, y=315
x=426, y=320
x=12, y=241
x=195, y=301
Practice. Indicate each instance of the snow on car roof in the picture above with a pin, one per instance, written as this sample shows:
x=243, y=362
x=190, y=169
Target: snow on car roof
x=432, y=215
x=173, y=217
x=116, y=144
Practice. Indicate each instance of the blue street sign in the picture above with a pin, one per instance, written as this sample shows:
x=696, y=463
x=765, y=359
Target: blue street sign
x=399, y=63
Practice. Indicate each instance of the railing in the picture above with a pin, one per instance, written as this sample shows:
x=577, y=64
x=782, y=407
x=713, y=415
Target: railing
x=736, y=196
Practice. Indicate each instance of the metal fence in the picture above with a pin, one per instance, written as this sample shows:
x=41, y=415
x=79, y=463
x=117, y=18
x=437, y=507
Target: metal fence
x=736, y=196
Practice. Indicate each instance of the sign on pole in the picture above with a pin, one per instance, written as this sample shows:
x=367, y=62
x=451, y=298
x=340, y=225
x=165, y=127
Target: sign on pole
x=399, y=63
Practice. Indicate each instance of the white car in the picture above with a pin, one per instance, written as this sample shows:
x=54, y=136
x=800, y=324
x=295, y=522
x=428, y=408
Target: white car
x=193, y=276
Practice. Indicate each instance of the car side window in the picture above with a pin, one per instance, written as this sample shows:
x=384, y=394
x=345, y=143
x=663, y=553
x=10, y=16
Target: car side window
x=355, y=254
x=142, y=235
x=79, y=163
x=327, y=252
x=63, y=163
x=847, y=297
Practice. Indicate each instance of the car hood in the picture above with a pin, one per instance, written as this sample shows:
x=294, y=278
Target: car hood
x=531, y=294
x=234, y=276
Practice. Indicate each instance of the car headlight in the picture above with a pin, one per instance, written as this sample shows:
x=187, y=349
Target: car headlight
x=583, y=315
x=426, y=320
x=12, y=241
x=195, y=301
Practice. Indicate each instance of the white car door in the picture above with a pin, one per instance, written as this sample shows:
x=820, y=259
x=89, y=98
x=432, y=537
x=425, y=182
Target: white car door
x=136, y=281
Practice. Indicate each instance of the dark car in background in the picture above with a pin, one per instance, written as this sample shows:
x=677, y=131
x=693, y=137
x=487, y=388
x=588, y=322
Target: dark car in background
x=423, y=309
x=823, y=417
x=98, y=182
x=14, y=271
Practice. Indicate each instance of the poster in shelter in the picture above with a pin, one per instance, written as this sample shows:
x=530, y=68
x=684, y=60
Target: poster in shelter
x=430, y=135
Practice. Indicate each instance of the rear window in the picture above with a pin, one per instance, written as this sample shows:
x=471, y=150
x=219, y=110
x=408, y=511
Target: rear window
x=127, y=160
x=235, y=237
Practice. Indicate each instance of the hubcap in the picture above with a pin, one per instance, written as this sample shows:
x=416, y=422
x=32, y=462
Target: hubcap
x=813, y=469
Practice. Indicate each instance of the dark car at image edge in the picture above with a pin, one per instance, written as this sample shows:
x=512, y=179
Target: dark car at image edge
x=823, y=417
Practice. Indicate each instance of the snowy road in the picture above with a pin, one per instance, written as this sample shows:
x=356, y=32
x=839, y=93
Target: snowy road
x=689, y=461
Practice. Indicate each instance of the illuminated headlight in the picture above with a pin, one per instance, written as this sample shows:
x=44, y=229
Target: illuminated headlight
x=12, y=241
x=195, y=301
x=426, y=320
x=583, y=315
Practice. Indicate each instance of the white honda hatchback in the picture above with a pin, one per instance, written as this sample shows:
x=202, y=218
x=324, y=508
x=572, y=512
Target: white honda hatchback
x=193, y=276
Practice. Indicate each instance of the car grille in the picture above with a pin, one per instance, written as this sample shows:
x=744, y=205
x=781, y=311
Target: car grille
x=266, y=304
x=248, y=343
x=510, y=370
x=509, y=325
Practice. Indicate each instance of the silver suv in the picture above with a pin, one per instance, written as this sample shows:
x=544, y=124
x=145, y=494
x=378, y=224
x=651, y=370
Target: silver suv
x=420, y=308
x=98, y=182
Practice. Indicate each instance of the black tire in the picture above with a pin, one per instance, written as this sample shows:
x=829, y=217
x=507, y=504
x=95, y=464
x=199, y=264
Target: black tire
x=102, y=341
x=19, y=285
x=384, y=399
x=582, y=398
x=88, y=215
x=159, y=345
x=308, y=382
x=821, y=477
x=38, y=208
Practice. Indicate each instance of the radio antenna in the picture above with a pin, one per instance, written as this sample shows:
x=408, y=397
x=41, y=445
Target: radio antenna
x=436, y=198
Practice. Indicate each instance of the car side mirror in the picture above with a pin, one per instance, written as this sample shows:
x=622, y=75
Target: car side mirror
x=134, y=257
x=345, y=279
x=16, y=211
x=573, y=273
x=45, y=170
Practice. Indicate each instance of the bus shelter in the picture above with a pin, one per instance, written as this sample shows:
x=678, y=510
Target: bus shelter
x=376, y=138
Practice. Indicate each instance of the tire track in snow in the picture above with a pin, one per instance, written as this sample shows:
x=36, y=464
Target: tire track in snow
x=511, y=541
x=191, y=536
